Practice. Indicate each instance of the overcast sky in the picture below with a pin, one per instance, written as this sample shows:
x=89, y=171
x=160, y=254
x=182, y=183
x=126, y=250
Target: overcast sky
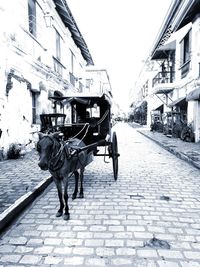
x=119, y=35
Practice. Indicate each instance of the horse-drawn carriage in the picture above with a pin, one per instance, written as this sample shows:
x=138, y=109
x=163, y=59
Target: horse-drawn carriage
x=67, y=143
x=90, y=121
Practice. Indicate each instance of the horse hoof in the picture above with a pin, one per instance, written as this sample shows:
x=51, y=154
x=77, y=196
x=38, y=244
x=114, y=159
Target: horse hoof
x=59, y=214
x=66, y=217
x=81, y=195
x=73, y=196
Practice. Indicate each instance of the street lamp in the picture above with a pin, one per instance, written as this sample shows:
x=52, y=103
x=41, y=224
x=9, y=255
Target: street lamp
x=48, y=19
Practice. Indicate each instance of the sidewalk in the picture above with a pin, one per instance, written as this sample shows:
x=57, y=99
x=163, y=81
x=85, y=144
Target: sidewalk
x=22, y=180
x=189, y=152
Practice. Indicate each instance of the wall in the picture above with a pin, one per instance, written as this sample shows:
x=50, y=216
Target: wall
x=29, y=61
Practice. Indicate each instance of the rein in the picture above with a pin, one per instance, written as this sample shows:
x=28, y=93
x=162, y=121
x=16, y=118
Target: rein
x=56, y=160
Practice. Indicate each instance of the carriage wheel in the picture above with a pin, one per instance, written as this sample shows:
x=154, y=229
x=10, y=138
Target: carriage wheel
x=114, y=155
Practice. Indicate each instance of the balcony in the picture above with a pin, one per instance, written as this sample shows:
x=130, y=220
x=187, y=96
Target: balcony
x=163, y=77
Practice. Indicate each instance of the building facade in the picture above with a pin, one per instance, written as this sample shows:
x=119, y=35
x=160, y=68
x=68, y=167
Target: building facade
x=42, y=53
x=97, y=81
x=174, y=88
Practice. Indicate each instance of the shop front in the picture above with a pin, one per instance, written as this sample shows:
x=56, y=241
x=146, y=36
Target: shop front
x=193, y=100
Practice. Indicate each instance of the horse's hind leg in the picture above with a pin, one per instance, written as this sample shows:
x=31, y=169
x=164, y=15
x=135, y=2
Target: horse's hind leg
x=59, y=189
x=81, y=194
x=74, y=195
x=66, y=215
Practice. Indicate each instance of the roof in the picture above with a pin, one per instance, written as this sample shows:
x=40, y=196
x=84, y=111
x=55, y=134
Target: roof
x=68, y=19
x=84, y=98
x=180, y=13
x=165, y=30
x=192, y=10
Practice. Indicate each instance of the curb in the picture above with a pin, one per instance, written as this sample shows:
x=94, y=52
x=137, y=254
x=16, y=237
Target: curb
x=7, y=216
x=174, y=152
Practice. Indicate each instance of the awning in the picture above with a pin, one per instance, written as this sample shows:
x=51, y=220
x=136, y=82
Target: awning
x=168, y=46
x=163, y=91
x=160, y=108
x=193, y=95
x=163, y=51
x=178, y=102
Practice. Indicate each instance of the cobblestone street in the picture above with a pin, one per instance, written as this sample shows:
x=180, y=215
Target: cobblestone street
x=18, y=177
x=149, y=217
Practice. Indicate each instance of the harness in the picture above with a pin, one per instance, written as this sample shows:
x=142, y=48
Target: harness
x=66, y=151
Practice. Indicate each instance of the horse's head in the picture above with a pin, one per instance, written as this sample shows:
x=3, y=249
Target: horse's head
x=46, y=146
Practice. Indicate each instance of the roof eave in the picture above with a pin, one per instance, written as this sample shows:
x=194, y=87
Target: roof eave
x=68, y=19
x=179, y=14
x=165, y=30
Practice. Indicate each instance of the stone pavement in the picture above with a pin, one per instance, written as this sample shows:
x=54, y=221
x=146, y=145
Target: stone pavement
x=20, y=181
x=149, y=217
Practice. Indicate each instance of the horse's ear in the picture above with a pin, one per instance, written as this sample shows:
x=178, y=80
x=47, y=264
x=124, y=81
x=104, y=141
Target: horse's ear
x=40, y=135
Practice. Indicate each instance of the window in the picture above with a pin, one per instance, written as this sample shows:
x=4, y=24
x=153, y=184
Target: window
x=72, y=63
x=32, y=16
x=71, y=72
x=58, y=67
x=34, y=100
x=186, y=50
x=185, y=54
x=58, y=46
x=93, y=111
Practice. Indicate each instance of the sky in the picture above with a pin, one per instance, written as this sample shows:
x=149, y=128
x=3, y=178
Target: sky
x=119, y=35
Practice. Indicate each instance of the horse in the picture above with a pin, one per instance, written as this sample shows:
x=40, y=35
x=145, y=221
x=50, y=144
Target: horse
x=63, y=159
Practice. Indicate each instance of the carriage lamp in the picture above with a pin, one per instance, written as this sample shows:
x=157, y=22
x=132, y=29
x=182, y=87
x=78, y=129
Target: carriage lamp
x=48, y=19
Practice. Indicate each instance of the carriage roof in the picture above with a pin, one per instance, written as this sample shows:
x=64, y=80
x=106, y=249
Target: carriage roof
x=87, y=99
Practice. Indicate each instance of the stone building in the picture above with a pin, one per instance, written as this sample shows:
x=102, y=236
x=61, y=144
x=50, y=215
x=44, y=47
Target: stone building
x=42, y=53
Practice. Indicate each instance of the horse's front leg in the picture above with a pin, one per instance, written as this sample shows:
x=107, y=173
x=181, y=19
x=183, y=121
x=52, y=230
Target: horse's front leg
x=59, y=189
x=66, y=215
x=81, y=194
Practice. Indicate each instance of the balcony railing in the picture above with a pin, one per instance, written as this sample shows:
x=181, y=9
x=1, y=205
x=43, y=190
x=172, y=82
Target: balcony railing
x=163, y=77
